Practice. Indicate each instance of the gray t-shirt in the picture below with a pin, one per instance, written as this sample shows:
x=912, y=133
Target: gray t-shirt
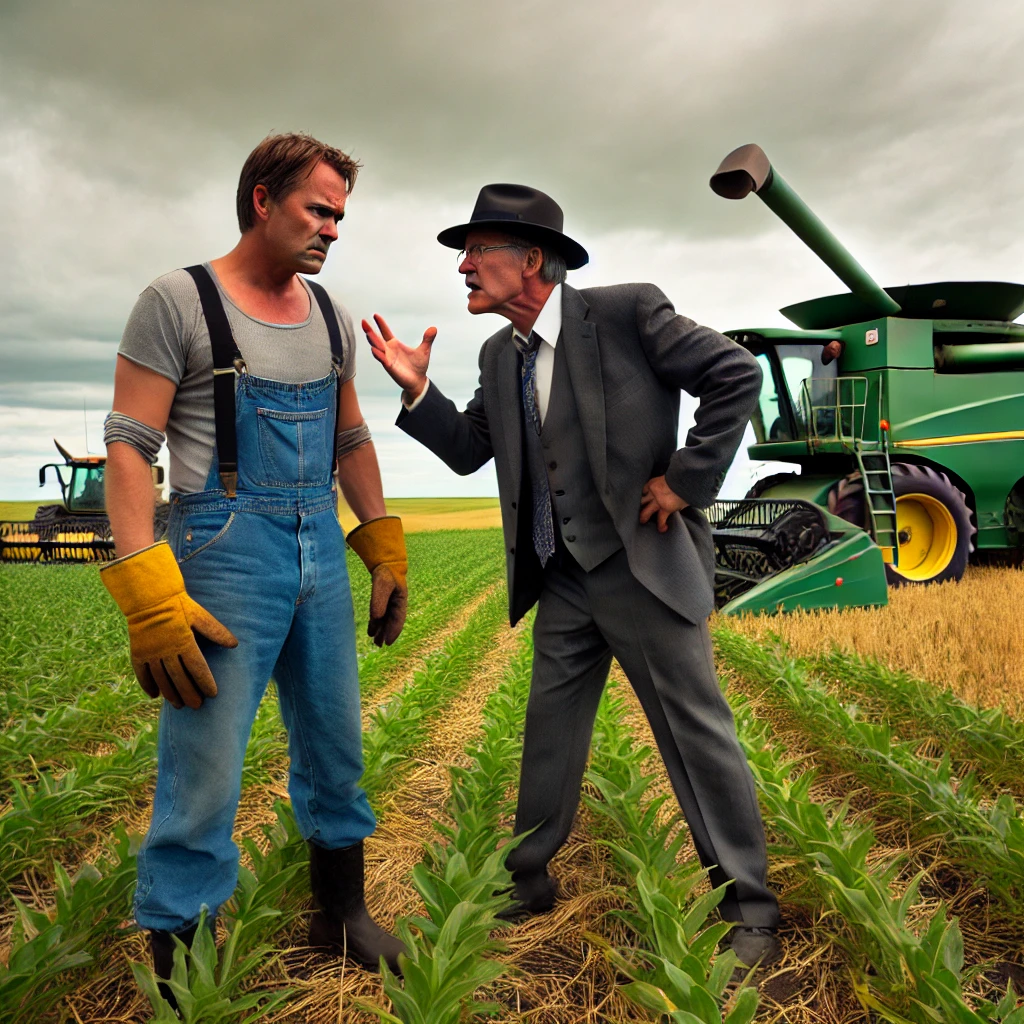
x=166, y=332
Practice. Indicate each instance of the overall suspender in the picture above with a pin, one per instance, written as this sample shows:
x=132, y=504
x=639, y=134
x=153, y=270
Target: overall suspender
x=228, y=363
x=323, y=300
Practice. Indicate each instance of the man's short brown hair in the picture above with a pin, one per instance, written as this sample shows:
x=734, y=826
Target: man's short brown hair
x=279, y=163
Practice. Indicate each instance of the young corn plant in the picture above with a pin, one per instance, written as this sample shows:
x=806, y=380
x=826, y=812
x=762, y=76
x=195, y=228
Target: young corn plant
x=207, y=985
x=204, y=995
x=49, y=949
x=446, y=964
x=682, y=978
x=676, y=972
x=43, y=815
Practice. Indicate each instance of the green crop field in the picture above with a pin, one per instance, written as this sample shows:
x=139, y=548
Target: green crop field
x=17, y=510
x=892, y=808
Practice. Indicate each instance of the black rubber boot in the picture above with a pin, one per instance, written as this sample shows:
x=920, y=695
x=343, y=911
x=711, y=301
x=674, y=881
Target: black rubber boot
x=341, y=922
x=161, y=944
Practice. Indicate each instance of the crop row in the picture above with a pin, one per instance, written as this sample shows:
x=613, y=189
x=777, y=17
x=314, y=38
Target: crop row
x=462, y=878
x=987, y=739
x=983, y=837
x=907, y=964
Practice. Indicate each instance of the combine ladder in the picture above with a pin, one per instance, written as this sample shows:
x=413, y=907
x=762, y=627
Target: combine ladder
x=879, y=500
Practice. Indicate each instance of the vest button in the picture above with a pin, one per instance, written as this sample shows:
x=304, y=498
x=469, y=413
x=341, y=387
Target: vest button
x=552, y=465
x=570, y=538
x=558, y=494
x=511, y=551
x=513, y=504
x=566, y=519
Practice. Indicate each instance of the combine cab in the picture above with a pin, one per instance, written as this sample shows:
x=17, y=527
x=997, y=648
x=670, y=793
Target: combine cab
x=78, y=530
x=903, y=409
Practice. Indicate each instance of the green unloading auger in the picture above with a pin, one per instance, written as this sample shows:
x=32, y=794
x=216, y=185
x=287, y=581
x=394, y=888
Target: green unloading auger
x=747, y=170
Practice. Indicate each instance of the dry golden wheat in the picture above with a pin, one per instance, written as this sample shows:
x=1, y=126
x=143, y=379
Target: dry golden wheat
x=968, y=636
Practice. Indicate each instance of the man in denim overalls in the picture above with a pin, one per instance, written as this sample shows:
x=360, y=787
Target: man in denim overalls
x=248, y=369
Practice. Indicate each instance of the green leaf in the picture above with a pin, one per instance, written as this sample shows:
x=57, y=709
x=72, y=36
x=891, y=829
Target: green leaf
x=648, y=996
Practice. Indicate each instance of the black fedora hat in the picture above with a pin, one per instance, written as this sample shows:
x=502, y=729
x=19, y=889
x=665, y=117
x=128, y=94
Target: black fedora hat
x=519, y=210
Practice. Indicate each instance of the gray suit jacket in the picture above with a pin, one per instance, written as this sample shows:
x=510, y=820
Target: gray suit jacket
x=629, y=355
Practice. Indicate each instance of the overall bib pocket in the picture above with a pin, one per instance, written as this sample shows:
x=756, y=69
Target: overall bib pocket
x=293, y=448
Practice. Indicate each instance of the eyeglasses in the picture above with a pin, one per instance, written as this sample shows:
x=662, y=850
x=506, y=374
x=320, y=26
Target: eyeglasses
x=475, y=252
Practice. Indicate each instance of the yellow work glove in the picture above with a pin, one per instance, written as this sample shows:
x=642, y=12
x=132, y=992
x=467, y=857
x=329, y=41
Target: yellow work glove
x=149, y=589
x=380, y=543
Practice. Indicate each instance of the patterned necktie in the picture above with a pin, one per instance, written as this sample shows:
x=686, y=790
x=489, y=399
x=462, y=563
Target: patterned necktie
x=543, y=520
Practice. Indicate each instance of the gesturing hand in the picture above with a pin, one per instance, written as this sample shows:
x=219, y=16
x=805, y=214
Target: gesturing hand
x=658, y=498
x=406, y=366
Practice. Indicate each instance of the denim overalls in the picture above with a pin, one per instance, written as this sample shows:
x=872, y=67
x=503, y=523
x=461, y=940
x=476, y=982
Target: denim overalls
x=269, y=563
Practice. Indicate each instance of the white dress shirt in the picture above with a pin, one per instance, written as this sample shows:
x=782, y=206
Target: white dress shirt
x=548, y=326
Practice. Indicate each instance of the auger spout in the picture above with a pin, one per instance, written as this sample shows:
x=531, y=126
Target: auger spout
x=747, y=170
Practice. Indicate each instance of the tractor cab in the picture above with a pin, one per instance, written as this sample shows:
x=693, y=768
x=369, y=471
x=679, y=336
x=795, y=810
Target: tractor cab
x=83, y=490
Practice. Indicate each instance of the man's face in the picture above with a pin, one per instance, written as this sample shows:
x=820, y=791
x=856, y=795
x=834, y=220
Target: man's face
x=494, y=278
x=301, y=226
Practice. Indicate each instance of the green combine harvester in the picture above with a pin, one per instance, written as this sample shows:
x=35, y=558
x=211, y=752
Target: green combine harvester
x=903, y=409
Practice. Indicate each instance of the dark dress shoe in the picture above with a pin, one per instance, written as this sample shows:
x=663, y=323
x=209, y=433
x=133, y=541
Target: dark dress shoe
x=533, y=894
x=755, y=947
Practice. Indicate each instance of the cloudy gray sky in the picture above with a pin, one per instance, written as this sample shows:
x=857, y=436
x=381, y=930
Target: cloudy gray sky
x=124, y=123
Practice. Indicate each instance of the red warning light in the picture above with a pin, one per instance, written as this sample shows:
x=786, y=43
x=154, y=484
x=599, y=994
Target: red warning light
x=884, y=424
x=839, y=581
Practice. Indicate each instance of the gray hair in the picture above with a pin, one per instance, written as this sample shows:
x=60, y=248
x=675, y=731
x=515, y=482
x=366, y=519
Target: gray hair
x=553, y=269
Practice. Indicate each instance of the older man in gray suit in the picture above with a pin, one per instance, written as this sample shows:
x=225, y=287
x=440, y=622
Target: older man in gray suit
x=578, y=405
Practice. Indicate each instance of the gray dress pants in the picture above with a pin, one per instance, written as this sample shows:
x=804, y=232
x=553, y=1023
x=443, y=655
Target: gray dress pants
x=583, y=620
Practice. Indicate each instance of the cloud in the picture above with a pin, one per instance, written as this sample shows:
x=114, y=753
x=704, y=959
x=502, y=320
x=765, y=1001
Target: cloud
x=123, y=127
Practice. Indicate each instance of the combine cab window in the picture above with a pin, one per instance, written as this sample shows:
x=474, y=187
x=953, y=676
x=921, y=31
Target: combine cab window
x=767, y=420
x=782, y=413
x=86, y=493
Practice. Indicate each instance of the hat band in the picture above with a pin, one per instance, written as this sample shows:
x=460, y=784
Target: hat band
x=495, y=215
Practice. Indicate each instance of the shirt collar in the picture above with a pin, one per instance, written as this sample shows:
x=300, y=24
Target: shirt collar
x=549, y=320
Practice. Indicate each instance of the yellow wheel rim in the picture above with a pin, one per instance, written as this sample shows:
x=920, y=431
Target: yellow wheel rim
x=927, y=536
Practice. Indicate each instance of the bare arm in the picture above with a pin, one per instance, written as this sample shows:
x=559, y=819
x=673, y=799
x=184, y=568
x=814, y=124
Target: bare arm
x=145, y=396
x=358, y=472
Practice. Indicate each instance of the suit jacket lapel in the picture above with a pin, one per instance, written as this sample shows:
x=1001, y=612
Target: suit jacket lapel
x=509, y=389
x=584, y=360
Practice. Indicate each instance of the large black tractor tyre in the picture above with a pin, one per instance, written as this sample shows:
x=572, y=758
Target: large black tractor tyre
x=933, y=521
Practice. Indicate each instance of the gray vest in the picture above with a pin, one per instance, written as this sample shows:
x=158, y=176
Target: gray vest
x=585, y=525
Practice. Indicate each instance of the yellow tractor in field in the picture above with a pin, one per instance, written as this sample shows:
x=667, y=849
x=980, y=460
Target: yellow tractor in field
x=77, y=530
